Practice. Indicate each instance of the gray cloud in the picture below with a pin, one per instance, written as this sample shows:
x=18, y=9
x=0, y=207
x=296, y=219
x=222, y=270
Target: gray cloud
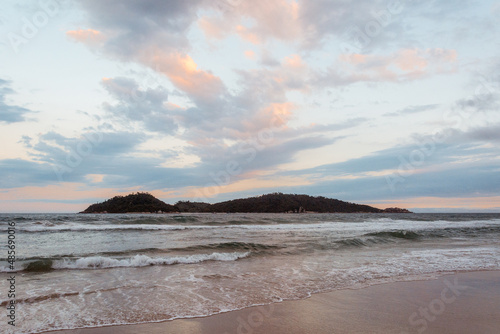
x=111, y=154
x=462, y=180
x=268, y=60
x=490, y=133
x=480, y=103
x=459, y=182
x=114, y=155
x=413, y=110
x=146, y=106
x=139, y=25
x=338, y=18
x=20, y=173
x=278, y=153
x=457, y=165
x=10, y=113
x=53, y=147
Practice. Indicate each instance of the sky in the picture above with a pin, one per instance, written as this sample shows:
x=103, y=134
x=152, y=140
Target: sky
x=386, y=103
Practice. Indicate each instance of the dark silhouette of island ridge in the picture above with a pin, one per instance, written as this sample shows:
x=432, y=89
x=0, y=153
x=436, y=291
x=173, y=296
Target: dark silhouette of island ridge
x=270, y=203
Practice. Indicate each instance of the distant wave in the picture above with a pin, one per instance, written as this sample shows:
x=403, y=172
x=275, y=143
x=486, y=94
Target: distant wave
x=369, y=239
x=355, y=242
x=396, y=234
x=94, y=227
x=101, y=262
x=187, y=223
x=375, y=238
x=225, y=246
x=436, y=232
x=250, y=246
x=255, y=248
x=46, y=226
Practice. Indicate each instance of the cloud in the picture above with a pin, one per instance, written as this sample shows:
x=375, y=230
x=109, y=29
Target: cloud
x=413, y=110
x=214, y=27
x=250, y=54
x=148, y=107
x=138, y=25
x=332, y=129
x=455, y=164
x=287, y=151
x=224, y=121
x=10, y=113
x=268, y=60
x=19, y=173
x=90, y=37
x=70, y=159
x=448, y=149
x=118, y=159
x=483, y=102
x=489, y=133
x=152, y=33
x=111, y=155
x=201, y=86
x=218, y=131
x=458, y=182
x=277, y=19
x=303, y=23
x=461, y=180
x=403, y=65
x=217, y=114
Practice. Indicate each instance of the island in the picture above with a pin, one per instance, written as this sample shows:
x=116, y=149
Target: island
x=270, y=203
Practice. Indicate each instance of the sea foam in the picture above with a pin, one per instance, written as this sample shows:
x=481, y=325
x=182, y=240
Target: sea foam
x=95, y=262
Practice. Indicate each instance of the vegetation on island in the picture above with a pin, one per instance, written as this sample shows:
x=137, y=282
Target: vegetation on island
x=278, y=202
x=138, y=202
x=270, y=203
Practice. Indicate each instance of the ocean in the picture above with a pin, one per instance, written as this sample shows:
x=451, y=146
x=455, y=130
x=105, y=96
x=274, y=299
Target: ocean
x=89, y=270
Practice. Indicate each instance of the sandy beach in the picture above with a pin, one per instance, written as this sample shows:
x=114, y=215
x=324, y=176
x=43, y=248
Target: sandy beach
x=459, y=303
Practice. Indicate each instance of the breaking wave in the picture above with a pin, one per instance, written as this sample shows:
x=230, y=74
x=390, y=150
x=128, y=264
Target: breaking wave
x=102, y=262
x=396, y=234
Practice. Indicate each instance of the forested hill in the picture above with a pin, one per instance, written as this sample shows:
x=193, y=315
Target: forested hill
x=272, y=203
x=278, y=202
x=138, y=202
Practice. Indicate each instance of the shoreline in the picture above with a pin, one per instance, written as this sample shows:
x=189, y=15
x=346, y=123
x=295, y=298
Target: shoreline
x=459, y=302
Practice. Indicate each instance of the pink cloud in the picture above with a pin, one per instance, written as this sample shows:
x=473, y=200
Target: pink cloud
x=178, y=66
x=275, y=115
x=214, y=27
x=411, y=60
x=294, y=61
x=90, y=37
x=250, y=54
x=247, y=35
x=278, y=19
x=184, y=73
x=403, y=65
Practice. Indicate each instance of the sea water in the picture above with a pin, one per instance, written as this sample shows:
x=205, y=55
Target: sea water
x=77, y=271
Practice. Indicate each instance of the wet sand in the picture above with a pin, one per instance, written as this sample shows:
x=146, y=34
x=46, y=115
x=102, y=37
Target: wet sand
x=459, y=303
